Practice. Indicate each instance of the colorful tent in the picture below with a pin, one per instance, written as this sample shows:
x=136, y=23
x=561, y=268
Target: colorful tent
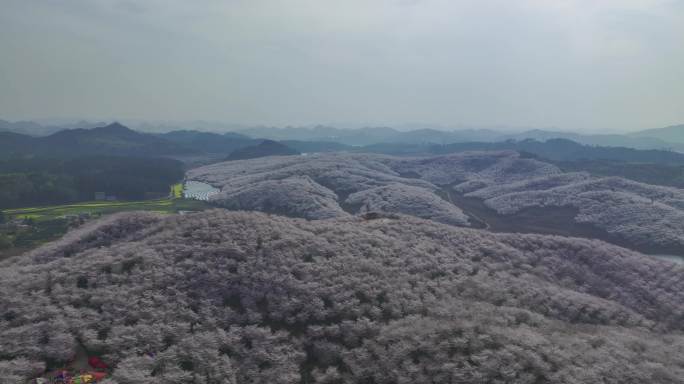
x=87, y=378
x=96, y=362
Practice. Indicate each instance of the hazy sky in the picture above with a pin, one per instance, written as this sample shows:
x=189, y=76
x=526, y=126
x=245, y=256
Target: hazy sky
x=570, y=64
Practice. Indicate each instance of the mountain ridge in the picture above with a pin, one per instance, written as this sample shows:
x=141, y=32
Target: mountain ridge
x=672, y=133
x=112, y=139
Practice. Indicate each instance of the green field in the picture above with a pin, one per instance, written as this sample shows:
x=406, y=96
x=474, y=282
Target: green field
x=104, y=207
x=51, y=222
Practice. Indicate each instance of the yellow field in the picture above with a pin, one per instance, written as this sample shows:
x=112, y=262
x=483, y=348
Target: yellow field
x=177, y=191
x=104, y=207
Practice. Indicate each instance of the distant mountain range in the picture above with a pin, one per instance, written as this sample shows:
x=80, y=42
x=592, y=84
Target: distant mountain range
x=212, y=137
x=113, y=139
x=672, y=134
x=671, y=139
x=209, y=142
x=610, y=140
x=371, y=135
x=557, y=150
x=568, y=150
x=118, y=140
x=32, y=128
x=263, y=149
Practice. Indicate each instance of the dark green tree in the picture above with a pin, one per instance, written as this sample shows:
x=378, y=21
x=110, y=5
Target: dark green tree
x=5, y=241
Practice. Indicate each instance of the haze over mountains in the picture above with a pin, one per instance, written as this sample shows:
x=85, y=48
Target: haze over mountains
x=112, y=139
x=674, y=133
x=342, y=192
x=265, y=148
x=365, y=136
x=196, y=147
x=659, y=138
x=326, y=262
x=117, y=139
x=32, y=128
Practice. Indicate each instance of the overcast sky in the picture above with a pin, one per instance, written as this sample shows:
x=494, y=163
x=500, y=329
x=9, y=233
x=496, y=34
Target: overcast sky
x=572, y=64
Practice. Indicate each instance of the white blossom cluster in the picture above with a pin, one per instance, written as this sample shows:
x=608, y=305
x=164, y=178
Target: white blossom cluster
x=487, y=167
x=318, y=186
x=640, y=213
x=296, y=196
x=335, y=185
x=311, y=187
x=531, y=184
x=401, y=198
x=244, y=297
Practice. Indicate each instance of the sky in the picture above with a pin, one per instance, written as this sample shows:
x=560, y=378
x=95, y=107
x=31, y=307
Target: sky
x=578, y=65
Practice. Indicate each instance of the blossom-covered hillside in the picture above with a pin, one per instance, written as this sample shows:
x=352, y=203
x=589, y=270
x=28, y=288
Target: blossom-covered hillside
x=400, y=198
x=336, y=185
x=487, y=167
x=235, y=297
x=319, y=186
x=643, y=214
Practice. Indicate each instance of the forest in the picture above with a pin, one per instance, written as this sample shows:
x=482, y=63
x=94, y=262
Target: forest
x=221, y=297
x=341, y=192
x=629, y=213
x=650, y=173
x=47, y=181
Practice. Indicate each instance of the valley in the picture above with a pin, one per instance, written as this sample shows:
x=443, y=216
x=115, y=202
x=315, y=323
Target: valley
x=499, y=191
x=303, y=267
x=548, y=220
x=341, y=192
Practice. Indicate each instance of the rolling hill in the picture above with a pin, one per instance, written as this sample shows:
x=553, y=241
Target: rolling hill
x=671, y=134
x=642, y=216
x=209, y=142
x=263, y=149
x=246, y=297
x=568, y=150
x=113, y=140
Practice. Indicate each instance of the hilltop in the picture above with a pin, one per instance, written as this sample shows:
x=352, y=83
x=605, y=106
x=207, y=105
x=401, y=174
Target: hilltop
x=113, y=140
x=506, y=184
x=671, y=134
x=246, y=297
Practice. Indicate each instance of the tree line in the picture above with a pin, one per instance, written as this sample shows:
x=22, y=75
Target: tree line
x=46, y=181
